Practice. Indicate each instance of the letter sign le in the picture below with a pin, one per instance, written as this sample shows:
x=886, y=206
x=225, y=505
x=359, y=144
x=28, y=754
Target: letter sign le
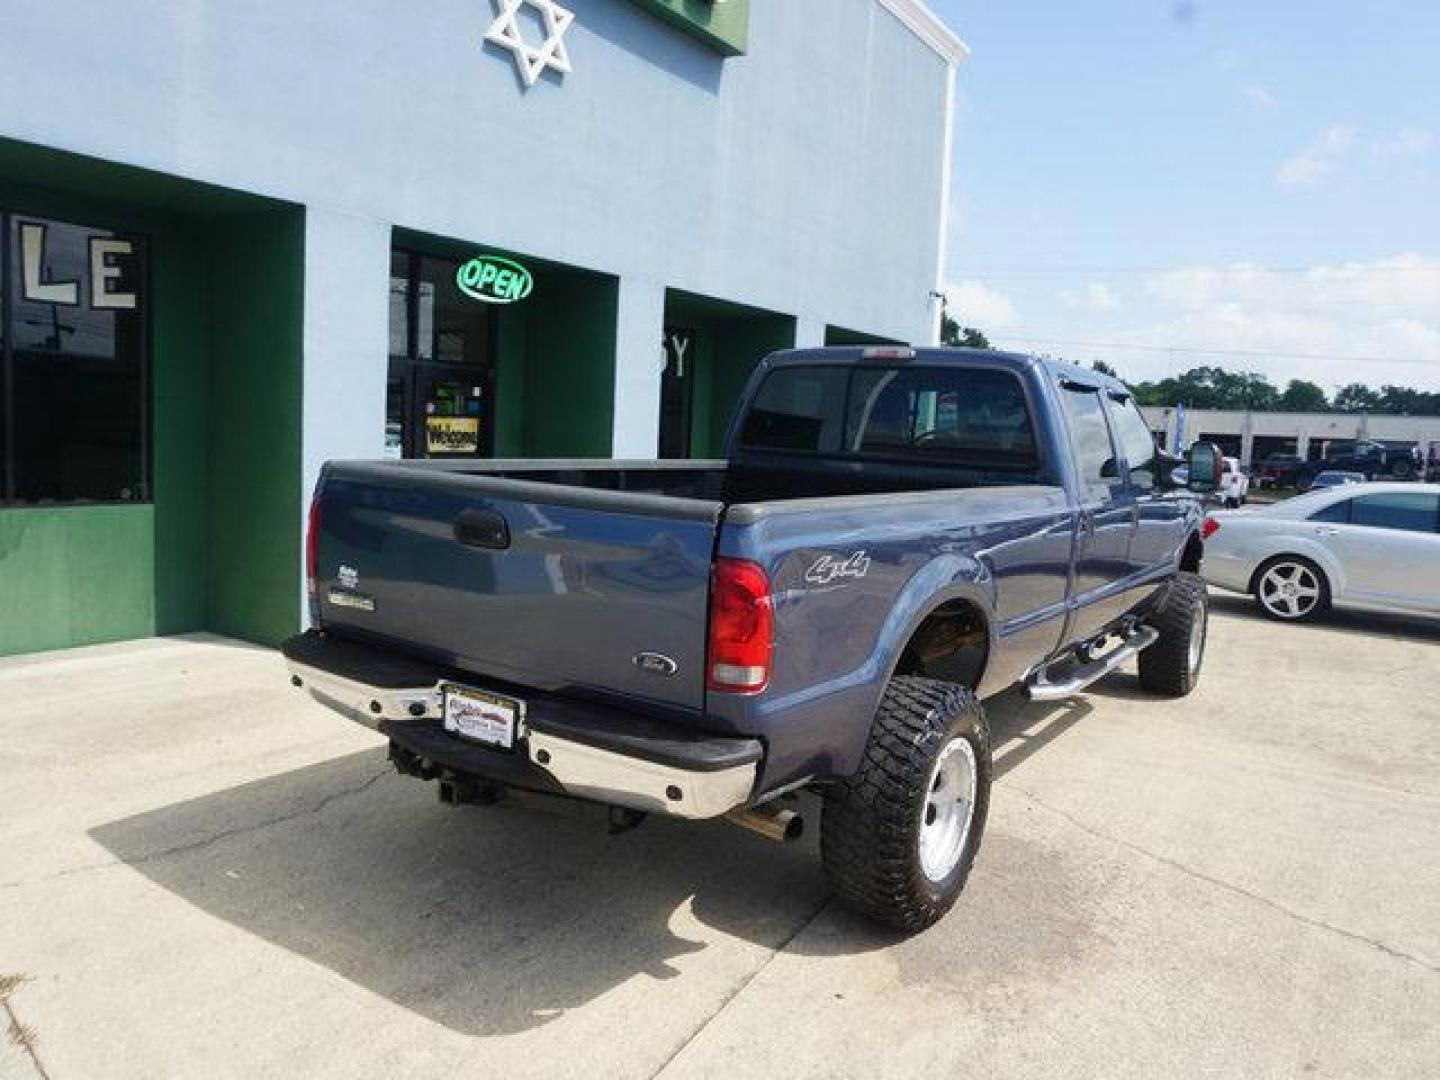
x=105, y=272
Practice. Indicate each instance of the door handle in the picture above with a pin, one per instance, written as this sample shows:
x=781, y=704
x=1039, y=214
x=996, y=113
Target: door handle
x=482, y=529
x=1087, y=523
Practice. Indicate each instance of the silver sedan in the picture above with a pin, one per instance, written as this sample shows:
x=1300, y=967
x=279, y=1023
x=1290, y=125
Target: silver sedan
x=1370, y=546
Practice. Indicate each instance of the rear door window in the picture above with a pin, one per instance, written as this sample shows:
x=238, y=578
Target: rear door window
x=1406, y=511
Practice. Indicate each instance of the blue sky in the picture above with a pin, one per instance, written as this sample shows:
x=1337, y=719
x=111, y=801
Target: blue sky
x=1261, y=177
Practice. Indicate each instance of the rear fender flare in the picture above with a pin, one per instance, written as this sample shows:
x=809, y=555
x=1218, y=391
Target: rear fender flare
x=940, y=581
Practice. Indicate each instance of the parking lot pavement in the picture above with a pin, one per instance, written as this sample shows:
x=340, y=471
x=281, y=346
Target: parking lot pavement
x=202, y=874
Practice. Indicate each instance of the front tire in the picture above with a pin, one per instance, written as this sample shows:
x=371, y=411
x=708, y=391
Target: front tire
x=898, y=838
x=1171, y=666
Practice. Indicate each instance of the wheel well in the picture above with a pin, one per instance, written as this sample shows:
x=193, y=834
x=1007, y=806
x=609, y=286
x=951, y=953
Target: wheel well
x=953, y=644
x=1193, y=553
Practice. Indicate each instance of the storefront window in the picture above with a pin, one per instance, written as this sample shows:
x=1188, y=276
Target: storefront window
x=438, y=396
x=74, y=364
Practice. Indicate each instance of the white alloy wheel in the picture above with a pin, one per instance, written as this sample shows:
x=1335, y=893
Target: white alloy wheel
x=1289, y=590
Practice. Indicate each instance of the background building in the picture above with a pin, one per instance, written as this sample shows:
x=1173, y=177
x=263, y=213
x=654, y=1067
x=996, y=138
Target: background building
x=240, y=240
x=1250, y=436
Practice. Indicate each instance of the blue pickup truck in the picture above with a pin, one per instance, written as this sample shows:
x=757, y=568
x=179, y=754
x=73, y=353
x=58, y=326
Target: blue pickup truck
x=893, y=536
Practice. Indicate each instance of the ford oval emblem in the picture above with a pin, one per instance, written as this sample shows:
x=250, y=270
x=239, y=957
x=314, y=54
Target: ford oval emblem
x=654, y=663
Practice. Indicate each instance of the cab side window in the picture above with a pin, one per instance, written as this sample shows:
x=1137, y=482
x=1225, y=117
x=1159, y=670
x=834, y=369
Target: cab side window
x=1090, y=435
x=1137, y=445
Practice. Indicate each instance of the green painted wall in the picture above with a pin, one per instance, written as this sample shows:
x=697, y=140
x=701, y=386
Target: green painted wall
x=253, y=479
x=75, y=575
x=225, y=315
x=569, y=374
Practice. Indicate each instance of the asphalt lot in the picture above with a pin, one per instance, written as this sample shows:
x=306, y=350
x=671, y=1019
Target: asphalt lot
x=204, y=875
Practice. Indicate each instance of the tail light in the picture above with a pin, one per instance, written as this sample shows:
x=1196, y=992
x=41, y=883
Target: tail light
x=742, y=628
x=1209, y=528
x=312, y=547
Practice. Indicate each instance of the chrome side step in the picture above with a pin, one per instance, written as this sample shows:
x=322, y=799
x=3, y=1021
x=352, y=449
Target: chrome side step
x=1038, y=686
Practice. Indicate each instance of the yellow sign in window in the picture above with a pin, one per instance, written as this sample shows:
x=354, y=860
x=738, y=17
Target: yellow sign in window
x=452, y=434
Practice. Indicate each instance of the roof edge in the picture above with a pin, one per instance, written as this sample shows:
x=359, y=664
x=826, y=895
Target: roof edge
x=926, y=25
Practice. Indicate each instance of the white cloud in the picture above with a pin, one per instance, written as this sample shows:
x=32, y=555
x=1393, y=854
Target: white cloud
x=1319, y=159
x=973, y=303
x=1258, y=96
x=1097, y=297
x=1374, y=322
x=1335, y=145
x=1408, y=143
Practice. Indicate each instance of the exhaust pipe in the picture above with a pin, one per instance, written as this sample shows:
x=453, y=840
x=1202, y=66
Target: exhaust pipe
x=781, y=826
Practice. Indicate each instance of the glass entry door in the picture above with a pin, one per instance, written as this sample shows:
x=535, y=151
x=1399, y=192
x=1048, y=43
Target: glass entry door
x=452, y=406
x=439, y=397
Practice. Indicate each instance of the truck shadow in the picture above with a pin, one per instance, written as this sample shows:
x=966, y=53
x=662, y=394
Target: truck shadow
x=488, y=920
x=494, y=920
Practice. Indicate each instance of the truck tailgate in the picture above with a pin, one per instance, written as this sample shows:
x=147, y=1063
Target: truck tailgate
x=548, y=586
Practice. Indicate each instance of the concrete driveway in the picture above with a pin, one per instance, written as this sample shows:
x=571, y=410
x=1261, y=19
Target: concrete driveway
x=204, y=875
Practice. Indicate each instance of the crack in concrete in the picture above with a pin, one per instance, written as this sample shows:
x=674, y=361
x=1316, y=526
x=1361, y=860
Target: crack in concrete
x=202, y=842
x=1238, y=890
x=739, y=988
x=21, y=1035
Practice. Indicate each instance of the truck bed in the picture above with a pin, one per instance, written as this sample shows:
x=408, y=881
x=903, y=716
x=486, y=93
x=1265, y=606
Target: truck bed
x=559, y=575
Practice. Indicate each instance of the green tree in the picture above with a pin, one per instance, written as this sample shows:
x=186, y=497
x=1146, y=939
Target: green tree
x=1407, y=401
x=1302, y=396
x=1356, y=397
x=952, y=333
x=1104, y=369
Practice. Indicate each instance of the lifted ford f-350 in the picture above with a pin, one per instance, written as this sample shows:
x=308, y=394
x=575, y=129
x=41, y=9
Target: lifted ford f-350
x=893, y=536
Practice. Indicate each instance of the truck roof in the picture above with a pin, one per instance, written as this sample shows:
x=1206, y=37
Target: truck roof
x=1020, y=363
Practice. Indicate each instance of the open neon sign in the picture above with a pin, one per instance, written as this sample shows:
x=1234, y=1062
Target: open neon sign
x=492, y=279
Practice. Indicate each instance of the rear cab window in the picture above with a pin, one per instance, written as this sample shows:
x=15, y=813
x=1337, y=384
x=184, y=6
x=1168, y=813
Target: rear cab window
x=934, y=415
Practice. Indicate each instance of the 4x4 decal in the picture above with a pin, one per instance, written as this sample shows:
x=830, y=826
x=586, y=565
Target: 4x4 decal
x=828, y=568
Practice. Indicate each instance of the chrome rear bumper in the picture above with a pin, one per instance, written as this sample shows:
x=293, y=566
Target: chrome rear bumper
x=411, y=716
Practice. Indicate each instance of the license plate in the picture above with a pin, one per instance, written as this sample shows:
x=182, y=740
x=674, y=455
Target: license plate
x=482, y=717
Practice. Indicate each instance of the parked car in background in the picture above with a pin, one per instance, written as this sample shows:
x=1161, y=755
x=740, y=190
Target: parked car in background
x=1365, y=456
x=1374, y=546
x=1279, y=470
x=1335, y=478
x=1234, y=489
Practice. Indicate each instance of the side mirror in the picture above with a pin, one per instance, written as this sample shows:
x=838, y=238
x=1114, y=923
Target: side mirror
x=1206, y=467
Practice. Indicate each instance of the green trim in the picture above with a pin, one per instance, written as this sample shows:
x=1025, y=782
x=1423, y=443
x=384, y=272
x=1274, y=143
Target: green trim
x=724, y=27
x=256, y=316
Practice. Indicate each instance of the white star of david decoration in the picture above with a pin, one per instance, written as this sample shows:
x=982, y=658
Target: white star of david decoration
x=532, y=61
